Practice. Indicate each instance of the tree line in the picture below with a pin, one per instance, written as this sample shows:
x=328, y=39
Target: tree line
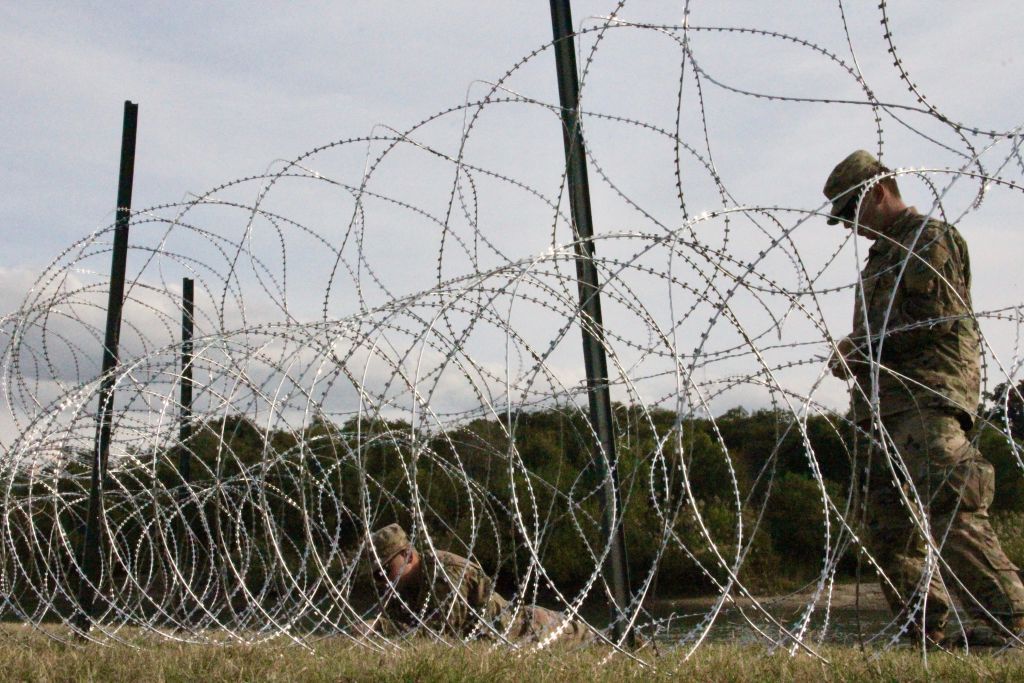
x=282, y=512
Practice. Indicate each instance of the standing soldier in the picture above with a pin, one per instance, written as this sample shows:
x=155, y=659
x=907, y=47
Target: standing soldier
x=915, y=341
x=452, y=595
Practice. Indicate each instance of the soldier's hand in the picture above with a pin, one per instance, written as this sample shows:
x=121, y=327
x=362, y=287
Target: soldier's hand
x=838, y=362
x=364, y=628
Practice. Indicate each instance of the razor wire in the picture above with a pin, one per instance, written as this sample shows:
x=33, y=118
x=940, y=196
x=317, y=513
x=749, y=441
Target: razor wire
x=379, y=322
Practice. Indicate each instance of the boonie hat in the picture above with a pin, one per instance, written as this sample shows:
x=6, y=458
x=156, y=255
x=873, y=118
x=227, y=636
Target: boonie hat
x=388, y=541
x=848, y=174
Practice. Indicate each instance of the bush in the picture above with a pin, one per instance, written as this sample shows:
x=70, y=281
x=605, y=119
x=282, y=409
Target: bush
x=795, y=519
x=999, y=450
x=1009, y=527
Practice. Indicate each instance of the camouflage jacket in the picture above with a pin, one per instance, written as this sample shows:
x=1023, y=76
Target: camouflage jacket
x=453, y=597
x=928, y=347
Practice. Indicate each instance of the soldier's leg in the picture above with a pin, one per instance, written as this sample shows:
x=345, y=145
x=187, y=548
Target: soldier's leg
x=895, y=538
x=569, y=630
x=536, y=624
x=963, y=484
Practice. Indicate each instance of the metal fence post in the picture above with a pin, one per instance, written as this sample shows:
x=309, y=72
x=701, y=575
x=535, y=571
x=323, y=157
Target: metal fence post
x=594, y=358
x=90, y=554
x=185, y=426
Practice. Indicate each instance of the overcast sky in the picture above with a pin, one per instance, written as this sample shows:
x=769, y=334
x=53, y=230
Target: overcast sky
x=228, y=89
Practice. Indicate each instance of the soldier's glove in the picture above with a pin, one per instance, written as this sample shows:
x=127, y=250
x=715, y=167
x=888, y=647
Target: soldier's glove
x=837, y=363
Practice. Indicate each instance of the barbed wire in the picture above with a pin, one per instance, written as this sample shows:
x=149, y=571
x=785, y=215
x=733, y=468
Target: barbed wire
x=342, y=385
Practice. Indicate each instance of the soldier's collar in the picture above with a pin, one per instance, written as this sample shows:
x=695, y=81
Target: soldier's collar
x=908, y=219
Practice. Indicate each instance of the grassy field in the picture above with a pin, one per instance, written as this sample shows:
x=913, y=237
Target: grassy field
x=28, y=656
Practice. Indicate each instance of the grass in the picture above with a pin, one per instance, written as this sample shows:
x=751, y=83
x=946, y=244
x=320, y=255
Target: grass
x=26, y=655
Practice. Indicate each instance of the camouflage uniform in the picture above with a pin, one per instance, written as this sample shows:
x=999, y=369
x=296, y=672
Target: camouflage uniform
x=455, y=597
x=928, y=388
x=930, y=351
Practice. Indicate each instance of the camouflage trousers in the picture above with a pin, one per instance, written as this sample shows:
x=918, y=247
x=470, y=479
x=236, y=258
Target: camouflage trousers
x=528, y=624
x=536, y=624
x=955, y=486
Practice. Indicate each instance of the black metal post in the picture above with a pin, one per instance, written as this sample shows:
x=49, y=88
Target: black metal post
x=185, y=428
x=595, y=361
x=90, y=554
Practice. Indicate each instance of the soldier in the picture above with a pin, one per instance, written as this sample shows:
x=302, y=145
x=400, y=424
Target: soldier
x=916, y=342
x=452, y=595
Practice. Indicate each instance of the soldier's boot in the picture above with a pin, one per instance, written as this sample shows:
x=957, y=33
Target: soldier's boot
x=933, y=635
x=1016, y=626
x=985, y=635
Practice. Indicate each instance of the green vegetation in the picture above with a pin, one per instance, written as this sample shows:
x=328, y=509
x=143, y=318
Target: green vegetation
x=288, y=507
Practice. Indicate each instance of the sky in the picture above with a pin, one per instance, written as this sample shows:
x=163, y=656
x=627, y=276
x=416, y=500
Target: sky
x=231, y=89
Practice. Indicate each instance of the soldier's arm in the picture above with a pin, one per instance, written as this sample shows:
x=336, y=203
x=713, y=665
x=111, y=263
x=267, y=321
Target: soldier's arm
x=925, y=288
x=379, y=624
x=931, y=303
x=488, y=604
x=842, y=358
